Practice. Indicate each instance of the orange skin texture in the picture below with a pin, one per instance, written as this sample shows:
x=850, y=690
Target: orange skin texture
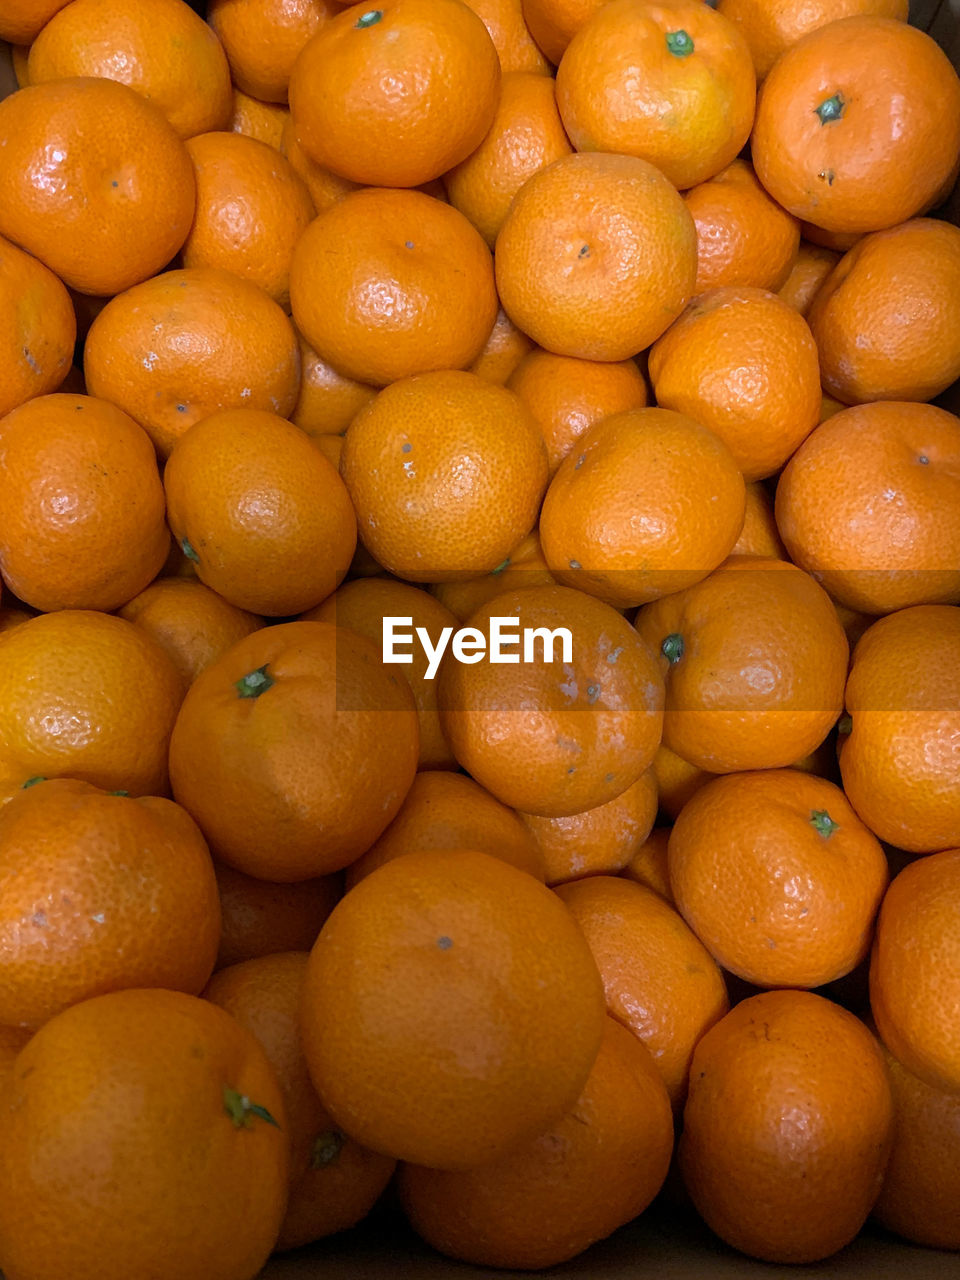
x=887, y=319
x=263, y=40
x=299, y=780
x=255, y=119
x=452, y=1009
x=621, y=88
x=556, y=738
x=116, y=204
x=568, y=396
x=677, y=780
x=188, y=343
x=648, y=865
x=328, y=401
x=759, y=535
x=901, y=761
x=504, y=349
x=893, y=152
x=264, y=512
x=511, y=38
x=166, y=52
x=81, y=504
x=921, y=1186
x=524, y=567
x=446, y=810
x=779, y=896
x=769, y=29
x=88, y=696
x=398, y=101
x=264, y=996
x=191, y=623
x=743, y=363
x=361, y=606
x=261, y=917
x=12, y=1040
x=836, y=241
x=759, y=682
x=743, y=237
x=38, y=328
x=22, y=20
x=252, y=208
x=378, y=309
x=593, y=1170
x=553, y=23
x=677, y=473
x=599, y=841
x=75, y=921
x=325, y=187
x=810, y=268
x=117, y=1118
x=436, y=504
x=775, y=1158
x=856, y=507
x=526, y=136
x=596, y=257
x=660, y=981
x=12, y=616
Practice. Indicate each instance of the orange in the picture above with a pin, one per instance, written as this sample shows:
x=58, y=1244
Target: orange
x=599, y=841
x=869, y=504
x=899, y=763
x=755, y=661
x=362, y=606
x=811, y=267
x=255, y=119
x=526, y=135
x=325, y=187
x=94, y=182
x=85, y=696
x=769, y=29
x=38, y=328
x=553, y=23
x=759, y=535
x=452, y=1009
x=648, y=865
x=670, y=82
x=262, y=511
x=81, y=504
x=503, y=350
x=677, y=780
x=593, y=1170
x=858, y=125
x=261, y=917
x=774, y=1156
x=436, y=504
x=252, y=208
x=511, y=38
x=328, y=401
x=655, y=461
x=445, y=810
x=295, y=750
x=568, y=730
x=22, y=20
x=13, y=615
x=150, y=1127
x=887, y=319
x=567, y=396
x=188, y=343
x=385, y=284
x=743, y=237
x=12, y=1040
x=334, y=1182
x=777, y=876
x=835, y=241
x=165, y=51
x=408, y=90
x=743, y=363
x=596, y=256
x=77, y=921
x=920, y=1187
x=263, y=39
x=19, y=58
x=659, y=979
x=523, y=567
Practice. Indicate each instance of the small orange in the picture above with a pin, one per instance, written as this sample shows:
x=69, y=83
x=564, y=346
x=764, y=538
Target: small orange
x=596, y=257
x=743, y=237
x=38, y=328
x=22, y=20
x=502, y=352
x=759, y=535
x=743, y=363
x=397, y=95
x=328, y=401
x=511, y=38
x=567, y=396
x=655, y=461
x=452, y=1009
x=325, y=187
x=811, y=267
x=677, y=780
x=648, y=865
x=523, y=567
x=263, y=39
x=261, y=917
x=252, y=208
x=553, y=23
x=255, y=119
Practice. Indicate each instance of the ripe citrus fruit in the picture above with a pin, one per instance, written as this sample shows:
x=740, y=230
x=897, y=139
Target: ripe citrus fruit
x=38, y=328
x=261, y=917
x=263, y=39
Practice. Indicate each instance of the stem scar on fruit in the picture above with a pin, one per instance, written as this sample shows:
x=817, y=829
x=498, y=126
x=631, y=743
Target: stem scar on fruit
x=821, y=821
x=679, y=43
x=326, y=1148
x=370, y=18
x=672, y=648
x=254, y=683
x=242, y=1111
x=831, y=108
x=188, y=551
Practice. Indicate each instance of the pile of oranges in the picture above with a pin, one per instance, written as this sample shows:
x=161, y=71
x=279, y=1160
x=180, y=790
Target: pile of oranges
x=620, y=320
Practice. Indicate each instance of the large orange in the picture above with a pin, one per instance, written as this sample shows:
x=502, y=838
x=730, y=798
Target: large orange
x=38, y=328
x=858, y=125
x=560, y=732
x=452, y=1009
x=262, y=917
x=671, y=82
x=775, y=1154
x=263, y=39
x=397, y=95
x=596, y=256
x=94, y=181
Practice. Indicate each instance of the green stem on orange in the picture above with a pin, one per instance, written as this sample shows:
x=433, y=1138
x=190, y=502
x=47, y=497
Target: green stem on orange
x=672, y=648
x=187, y=549
x=254, y=683
x=326, y=1148
x=822, y=823
x=369, y=19
x=845, y=724
x=831, y=108
x=679, y=43
x=242, y=1111
x=32, y=782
